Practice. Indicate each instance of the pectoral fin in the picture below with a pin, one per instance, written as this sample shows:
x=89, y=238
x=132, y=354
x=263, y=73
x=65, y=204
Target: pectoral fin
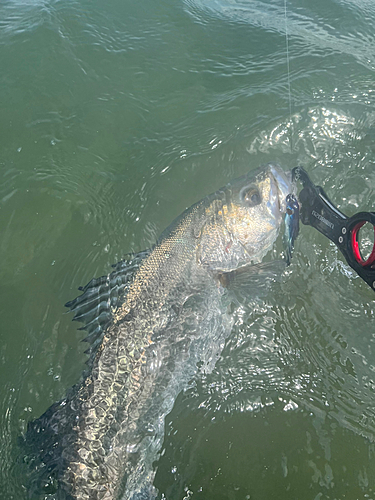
x=252, y=280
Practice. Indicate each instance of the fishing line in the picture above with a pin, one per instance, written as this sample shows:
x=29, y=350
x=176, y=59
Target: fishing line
x=288, y=71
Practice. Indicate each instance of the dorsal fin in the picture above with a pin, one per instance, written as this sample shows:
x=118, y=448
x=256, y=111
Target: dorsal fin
x=48, y=437
x=101, y=296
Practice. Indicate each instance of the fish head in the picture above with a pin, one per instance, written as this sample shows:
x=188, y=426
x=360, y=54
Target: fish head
x=250, y=215
x=258, y=205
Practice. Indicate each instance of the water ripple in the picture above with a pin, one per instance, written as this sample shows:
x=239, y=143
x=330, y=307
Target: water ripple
x=303, y=23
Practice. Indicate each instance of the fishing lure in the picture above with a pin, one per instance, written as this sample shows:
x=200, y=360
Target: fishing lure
x=291, y=225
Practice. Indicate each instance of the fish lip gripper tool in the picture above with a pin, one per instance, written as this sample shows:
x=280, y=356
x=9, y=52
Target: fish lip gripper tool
x=318, y=211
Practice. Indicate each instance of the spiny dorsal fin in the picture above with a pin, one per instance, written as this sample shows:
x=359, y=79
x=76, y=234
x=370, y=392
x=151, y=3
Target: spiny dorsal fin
x=101, y=296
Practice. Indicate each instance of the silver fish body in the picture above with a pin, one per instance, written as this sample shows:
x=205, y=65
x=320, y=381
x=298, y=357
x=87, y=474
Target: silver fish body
x=150, y=322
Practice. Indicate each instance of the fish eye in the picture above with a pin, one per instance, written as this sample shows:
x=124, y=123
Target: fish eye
x=250, y=196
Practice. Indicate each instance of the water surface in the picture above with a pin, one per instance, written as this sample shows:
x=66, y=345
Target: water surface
x=117, y=116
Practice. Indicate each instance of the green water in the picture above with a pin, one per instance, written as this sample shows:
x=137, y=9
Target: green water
x=115, y=117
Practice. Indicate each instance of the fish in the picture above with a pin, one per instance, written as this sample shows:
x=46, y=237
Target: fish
x=291, y=225
x=152, y=325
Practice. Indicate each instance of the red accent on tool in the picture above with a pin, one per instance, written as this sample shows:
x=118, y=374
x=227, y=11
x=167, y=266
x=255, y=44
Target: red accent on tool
x=355, y=246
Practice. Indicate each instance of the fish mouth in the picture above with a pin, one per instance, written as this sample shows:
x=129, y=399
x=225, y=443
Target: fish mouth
x=281, y=186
